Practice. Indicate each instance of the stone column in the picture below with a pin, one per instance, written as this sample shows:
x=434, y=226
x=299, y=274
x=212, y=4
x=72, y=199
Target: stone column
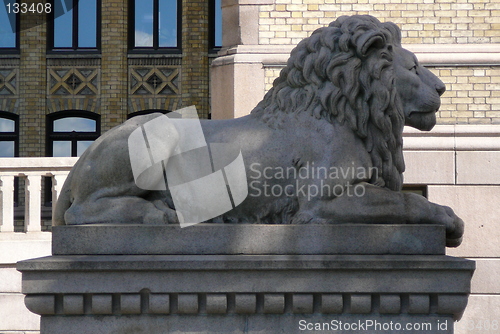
x=237, y=76
x=114, y=70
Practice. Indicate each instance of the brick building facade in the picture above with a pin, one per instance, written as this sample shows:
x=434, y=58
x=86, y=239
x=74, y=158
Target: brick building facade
x=41, y=82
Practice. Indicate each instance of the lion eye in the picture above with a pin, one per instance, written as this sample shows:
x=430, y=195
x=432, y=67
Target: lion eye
x=413, y=68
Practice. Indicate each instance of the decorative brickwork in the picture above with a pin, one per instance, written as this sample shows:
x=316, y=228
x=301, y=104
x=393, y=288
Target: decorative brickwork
x=194, y=80
x=114, y=63
x=428, y=21
x=32, y=76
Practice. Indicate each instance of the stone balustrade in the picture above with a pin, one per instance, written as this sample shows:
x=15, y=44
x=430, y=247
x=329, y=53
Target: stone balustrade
x=32, y=170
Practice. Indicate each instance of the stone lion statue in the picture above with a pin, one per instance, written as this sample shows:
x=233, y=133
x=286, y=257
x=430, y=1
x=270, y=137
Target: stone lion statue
x=323, y=146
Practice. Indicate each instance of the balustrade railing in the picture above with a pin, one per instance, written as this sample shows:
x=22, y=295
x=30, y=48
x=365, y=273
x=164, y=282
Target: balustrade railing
x=33, y=171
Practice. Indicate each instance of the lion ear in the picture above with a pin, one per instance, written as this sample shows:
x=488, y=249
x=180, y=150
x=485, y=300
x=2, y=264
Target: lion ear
x=369, y=40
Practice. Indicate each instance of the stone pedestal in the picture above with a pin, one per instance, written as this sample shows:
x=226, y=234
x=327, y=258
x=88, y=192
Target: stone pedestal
x=247, y=279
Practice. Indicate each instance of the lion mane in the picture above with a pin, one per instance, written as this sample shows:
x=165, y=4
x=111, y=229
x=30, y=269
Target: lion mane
x=343, y=73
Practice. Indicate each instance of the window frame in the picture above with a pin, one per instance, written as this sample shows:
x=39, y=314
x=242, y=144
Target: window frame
x=16, y=49
x=73, y=136
x=212, y=27
x=155, y=48
x=11, y=136
x=51, y=49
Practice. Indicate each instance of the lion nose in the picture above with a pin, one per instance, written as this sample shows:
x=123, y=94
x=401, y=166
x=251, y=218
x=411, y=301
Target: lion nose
x=441, y=88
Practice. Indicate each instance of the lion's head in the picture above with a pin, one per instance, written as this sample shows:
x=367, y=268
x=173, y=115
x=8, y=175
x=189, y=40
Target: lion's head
x=355, y=72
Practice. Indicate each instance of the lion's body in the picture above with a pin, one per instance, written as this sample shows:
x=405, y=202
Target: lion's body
x=261, y=148
x=341, y=102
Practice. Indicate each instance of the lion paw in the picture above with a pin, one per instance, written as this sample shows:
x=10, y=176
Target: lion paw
x=453, y=224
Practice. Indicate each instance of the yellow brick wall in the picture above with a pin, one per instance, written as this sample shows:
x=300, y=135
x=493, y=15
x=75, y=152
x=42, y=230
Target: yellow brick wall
x=113, y=63
x=194, y=76
x=32, y=72
x=422, y=21
x=472, y=95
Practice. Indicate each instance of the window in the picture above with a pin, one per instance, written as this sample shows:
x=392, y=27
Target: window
x=70, y=133
x=155, y=25
x=74, y=25
x=9, y=135
x=215, y=24
x=9, y=143
x=9, y=40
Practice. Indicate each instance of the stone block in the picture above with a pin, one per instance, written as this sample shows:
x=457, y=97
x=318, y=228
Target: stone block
x=274, y=303
x=216, y=304
x=73, y=304
x=248, y=239
x=481, y=167
x=159, y=303
x=474, y=205
x=332, y=303
x=480, y=316
x=102, y=304
x=15, y=315
x=485, y=279
x=390, y=304
x=130, y=304
x=361, y=304
x=419, y=304
x=303, y=303
x=245, y=303
x=439, y=167
x=187, y=303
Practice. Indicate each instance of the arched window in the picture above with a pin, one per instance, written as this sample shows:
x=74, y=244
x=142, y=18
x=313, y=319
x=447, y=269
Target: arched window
x=74, y=25
x=70, y=133
x=9, y=135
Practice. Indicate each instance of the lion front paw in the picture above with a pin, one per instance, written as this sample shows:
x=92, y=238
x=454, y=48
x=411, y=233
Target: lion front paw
x=454, y=225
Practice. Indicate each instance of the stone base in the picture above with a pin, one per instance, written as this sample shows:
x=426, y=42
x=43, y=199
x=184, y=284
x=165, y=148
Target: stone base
x=241, y=293
x=264, y=292
x=256, y=324
x=254, y=239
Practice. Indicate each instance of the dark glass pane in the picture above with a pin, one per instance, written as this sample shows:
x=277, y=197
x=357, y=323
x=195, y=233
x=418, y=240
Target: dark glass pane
x=79, y=124
x=143, y=23
x=6, y=149
x=81, y=146
x=7, y=125
x=7, y=26
x=87, y=24
x=167, y=23
x=63, y=26
x=61, y=149
x=218, y=23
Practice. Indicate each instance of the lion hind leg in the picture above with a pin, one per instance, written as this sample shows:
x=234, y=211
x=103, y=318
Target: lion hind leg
x=118, y=210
